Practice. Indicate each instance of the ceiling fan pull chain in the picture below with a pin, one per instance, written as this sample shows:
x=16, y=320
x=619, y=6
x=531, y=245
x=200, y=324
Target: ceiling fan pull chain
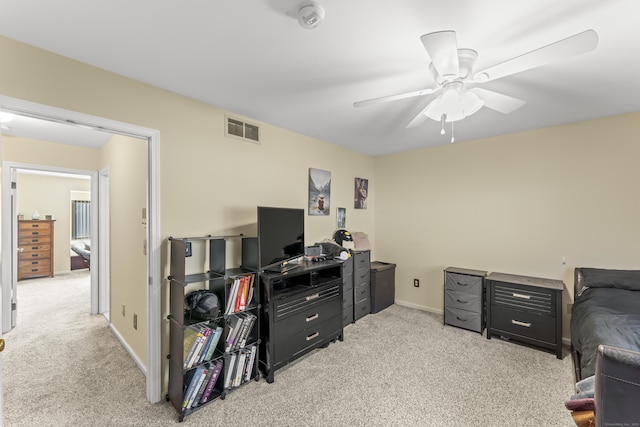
x=443, y=118
x=452, y=138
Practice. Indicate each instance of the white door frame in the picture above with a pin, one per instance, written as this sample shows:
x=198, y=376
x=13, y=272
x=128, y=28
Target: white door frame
x=154, y=357
x=104, y=242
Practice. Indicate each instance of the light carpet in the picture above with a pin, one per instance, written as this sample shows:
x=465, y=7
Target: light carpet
x=399, y=367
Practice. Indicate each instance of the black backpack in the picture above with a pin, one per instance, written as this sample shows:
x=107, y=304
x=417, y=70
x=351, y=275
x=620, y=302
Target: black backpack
x=202, y=305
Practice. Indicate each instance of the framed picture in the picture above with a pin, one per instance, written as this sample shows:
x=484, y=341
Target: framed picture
x=341, y=217
x=360, y=193
x=319, y=192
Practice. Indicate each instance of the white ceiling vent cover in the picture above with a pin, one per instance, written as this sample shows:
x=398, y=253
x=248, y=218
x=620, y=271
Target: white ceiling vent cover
x=239, y=129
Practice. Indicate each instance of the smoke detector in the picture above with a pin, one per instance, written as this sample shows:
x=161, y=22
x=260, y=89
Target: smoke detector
x=310, y=14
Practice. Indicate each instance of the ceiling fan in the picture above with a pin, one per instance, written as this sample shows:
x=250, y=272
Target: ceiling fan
x=456, y=80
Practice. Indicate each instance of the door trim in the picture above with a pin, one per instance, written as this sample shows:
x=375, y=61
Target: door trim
x=153, y=339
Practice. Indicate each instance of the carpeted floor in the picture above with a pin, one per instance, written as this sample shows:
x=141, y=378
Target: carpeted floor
x=400, y=367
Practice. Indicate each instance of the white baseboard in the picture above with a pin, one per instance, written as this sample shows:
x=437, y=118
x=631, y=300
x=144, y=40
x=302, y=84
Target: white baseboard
x=141, y=365
x=565, y=340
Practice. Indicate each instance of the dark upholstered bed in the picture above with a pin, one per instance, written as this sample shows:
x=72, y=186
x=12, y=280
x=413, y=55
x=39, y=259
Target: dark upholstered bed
x=606, y=311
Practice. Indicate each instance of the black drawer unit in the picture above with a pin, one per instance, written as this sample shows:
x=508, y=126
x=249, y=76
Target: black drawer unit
x=361, y=284
x=464, y=299
x=347, y=291
x=526, y=309
x=303, y=310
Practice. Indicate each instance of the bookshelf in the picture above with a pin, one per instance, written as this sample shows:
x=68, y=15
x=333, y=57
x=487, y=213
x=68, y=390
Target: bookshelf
x=212, y=355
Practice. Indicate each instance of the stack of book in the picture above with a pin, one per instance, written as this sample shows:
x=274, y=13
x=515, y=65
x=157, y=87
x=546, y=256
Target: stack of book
x=200, y=343
x=239, y=366
x=200, y=384
x=238, y=330
x=240, y=294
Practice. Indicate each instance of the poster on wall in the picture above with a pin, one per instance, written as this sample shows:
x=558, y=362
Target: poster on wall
x=360, y=193
x=341, y=217
x=319, y=192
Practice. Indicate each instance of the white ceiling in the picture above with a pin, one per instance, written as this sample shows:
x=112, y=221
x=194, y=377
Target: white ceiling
x=251, y=57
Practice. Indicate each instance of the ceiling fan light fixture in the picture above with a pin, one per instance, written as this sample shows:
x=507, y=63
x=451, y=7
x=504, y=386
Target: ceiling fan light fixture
x=470, y=103
x=310, y=14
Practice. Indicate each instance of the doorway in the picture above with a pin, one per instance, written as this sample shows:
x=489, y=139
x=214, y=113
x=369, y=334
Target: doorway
x=152, y=364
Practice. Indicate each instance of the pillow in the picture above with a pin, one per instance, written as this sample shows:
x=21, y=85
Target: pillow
x=361, y=241
x=604, y=278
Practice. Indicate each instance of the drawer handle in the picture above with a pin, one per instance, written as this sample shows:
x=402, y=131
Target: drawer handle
x=313, y=335
x=310, y=297
x=35, y=225
x=35, y=240
x=34, y=247
x=519, y=323
x=521, y=296
x=34, y=255
x=462, y=302
x=35, y=233
x=462, y=320
x=34, y=270
x=462, y=284
x=313, y=317
x=34, y=262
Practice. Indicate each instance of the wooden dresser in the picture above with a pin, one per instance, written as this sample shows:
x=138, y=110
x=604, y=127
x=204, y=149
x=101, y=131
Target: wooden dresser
x=35, y=248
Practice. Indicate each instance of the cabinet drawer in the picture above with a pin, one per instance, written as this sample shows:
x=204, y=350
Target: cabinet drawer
x=523, y=323
x=347, y=283
x=347, y=298
x=535, y=300
x=34, y=268
x=37, y=248
x=290, y=305
x=362, y=277
x=33, y=240
x=347, y=315
x=463, y=300
x=347, y=266
x=463, y=318
x=286, y=346
x=307, y=318
x=26, y=226
x=361, y=292
x=463, y=283
x=361, y=309
x=361, y=260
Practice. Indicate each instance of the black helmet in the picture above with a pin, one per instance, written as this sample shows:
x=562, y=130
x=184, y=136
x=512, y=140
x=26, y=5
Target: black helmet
x=342, y=236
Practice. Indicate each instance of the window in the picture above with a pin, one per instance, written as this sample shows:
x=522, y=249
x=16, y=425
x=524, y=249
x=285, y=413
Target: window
x=80, y=219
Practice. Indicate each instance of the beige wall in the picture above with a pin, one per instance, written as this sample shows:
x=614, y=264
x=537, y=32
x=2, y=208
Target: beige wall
x=513, y=204
x=210, y=184
x=126, y=159
x=51, y=195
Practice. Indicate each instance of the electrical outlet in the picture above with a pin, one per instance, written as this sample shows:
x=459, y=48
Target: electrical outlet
x=123, y=309
x=135, y=321
x=569, y=307
x=416, y=283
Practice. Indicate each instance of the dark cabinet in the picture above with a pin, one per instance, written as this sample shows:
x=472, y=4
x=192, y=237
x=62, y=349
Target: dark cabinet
x=527, y=309
x=302, y=310
x=361, y=284
x=464, y=298
x=383, y=285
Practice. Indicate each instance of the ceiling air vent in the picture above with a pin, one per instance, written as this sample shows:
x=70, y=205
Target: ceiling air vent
x=238, y=128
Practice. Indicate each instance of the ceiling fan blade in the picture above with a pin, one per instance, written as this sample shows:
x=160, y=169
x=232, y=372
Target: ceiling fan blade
x=497, y=101
x=442, y=48
x=571, y=46
x=419, y=119
x=393, y=97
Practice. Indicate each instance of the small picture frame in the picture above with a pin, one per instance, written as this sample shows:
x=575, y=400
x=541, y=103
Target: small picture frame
x=341, y=217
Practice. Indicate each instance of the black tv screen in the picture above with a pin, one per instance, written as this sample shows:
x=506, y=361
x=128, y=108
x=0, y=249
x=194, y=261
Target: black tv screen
x=280, y=234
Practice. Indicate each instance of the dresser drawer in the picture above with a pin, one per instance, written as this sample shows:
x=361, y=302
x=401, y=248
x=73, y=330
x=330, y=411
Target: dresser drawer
x=362, y=277
x=361, y=260
x=361, y=292
x=303, y=302
x=26, y=226
x=523, y=323
x=287, y=346
x=463, y=318
x=33, y=240
x=534, y=300
x=463, y=283
x=347, y=315
x=347, y=298
x=347, y=266
x=463, y=300
x=347, y=283
x=361, y=308
x=34, y=267
x=308, y=318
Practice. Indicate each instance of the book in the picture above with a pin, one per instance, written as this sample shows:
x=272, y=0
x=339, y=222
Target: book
x=229, y=367
x=247, y=331
x=250, y=293
x=233, y=292
x=233, y=325
x=250, y=363
x=190, y=379
x=198, y=346
x=203, y=386
x=190, y=337
x=217, y=369
x=238, y=374
x=199, y=353
x=201, y=373
x=213, y=344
